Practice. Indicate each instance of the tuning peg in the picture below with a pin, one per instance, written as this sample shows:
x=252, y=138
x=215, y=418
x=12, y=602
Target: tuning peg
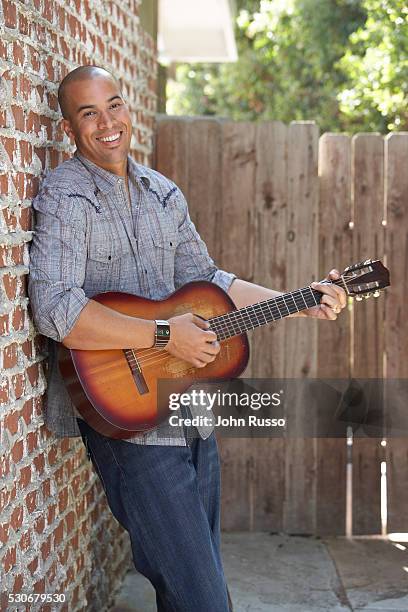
x=359, y=298
x=377, y=293
x=367, y=295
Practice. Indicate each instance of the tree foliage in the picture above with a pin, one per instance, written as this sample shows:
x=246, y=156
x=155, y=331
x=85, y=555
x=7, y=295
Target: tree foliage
x=303, y=60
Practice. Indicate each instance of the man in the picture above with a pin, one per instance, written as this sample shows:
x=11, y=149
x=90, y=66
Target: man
x=105, y=223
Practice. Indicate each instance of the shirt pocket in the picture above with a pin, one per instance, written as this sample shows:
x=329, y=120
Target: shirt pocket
x=165, y=245
x=108, y=257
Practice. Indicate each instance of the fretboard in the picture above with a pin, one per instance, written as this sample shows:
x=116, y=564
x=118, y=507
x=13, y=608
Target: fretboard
x=242, y=320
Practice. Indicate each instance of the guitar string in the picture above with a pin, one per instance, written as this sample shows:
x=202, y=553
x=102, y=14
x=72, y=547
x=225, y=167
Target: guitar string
x=224, y=321
x=232, y=319
x=153, y=358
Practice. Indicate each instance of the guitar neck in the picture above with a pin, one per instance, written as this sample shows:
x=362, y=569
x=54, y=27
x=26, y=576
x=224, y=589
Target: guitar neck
x=240, y=321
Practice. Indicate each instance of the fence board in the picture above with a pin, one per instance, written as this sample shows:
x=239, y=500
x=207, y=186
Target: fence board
x=237, y=244
x=172, y=150
x=268, y=343
x=333, y=355
x=205, y=181
x=301, y=334
x=396, y=323
x=368, y=345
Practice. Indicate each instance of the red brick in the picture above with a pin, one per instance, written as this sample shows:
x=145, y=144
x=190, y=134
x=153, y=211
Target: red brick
x=63, y=556
x=46, y=489
x=3, y=49
x=18, y=584
x=4, y=326
x=10, y=356
x=9, y=559
x=18, y=318
x=31, y=501
x=58, y=534
x=33, y=374
x=62, y=500
x=70, y=521
x=24, y=26
x=25, y=87
x=18, y=54
x=26, y=152
x=39, y=463
x=16, y=519
x=51, y=514
x=32, y=566
x=10, y=14
x=27, y=411
x=10, y=219
x=25, y=540
x=46, y=549
x=59, y=476
x=17, y=451
x=39, y=524
x=11, y=422
x=31, y=186
x=39, y=586
x=26, y=219
x=10, y=285
x=52, y=455
x=25, y=477
x=4, y=532
x=19, y=118
x=18, y=384
x=35, y=60
x=4, y=391
x=32, y=441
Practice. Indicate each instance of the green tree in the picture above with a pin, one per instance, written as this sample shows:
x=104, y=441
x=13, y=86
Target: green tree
x=288, y=68
x=377, y=69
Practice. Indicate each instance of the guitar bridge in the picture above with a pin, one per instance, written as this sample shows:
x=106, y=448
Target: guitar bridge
x=136, y=370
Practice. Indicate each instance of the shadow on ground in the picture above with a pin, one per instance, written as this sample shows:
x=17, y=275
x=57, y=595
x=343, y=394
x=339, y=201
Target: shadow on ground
x=274, y=573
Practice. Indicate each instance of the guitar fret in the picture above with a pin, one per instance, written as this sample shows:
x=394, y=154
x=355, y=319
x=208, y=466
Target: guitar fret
x=244, y=319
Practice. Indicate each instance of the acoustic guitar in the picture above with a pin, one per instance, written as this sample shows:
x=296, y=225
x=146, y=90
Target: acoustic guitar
x=115, y=391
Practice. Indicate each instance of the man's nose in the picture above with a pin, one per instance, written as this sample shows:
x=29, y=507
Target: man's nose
x=105, y=120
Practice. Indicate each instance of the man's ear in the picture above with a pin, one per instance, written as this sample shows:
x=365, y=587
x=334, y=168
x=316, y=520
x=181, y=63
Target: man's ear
x=66, y=126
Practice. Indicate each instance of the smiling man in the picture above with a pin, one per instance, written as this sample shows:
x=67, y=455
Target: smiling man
x=106, y=223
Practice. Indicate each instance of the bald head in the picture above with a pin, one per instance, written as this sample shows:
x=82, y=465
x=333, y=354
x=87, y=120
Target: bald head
x=82, y=73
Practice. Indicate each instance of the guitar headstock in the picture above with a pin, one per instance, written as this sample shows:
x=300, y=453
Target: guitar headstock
x=365, y=279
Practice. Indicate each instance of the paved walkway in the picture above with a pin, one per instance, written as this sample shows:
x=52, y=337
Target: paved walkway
x=274, y=573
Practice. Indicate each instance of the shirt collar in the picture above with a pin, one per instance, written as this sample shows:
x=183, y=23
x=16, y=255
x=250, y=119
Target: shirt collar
x=106, y=181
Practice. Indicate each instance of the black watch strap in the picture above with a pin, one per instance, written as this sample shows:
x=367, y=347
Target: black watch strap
x=162, y=334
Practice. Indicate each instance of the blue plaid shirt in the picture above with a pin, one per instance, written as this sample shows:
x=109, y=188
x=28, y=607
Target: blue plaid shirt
x=88, y=240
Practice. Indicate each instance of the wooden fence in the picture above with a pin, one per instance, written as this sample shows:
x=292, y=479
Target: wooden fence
x=280, y=206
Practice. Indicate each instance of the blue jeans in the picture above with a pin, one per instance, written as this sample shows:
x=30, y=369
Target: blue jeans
x=168, y=499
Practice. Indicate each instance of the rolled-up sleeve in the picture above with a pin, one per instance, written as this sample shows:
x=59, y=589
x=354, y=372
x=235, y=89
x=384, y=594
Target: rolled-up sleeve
x=192, y=261
x=57, y=265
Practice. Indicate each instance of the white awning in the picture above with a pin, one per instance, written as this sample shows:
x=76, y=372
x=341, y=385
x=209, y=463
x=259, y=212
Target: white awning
x=196, y=31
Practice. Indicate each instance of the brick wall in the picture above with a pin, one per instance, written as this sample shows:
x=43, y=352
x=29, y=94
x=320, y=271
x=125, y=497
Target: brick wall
x=56, y=534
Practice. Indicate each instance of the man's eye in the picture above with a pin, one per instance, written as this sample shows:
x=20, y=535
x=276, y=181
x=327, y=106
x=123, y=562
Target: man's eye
x=116, y=105
x=89, y=113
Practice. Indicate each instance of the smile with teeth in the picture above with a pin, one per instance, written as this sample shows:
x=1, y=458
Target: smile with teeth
x=110, y=138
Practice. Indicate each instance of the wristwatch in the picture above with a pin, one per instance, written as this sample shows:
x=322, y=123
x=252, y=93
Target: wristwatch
x=162, y=334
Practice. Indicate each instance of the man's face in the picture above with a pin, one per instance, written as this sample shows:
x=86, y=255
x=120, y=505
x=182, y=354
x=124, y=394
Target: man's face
x=99, y=121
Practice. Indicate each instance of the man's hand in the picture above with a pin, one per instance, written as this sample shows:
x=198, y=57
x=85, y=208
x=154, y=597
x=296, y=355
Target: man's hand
x=191, y=341
x=333, y=300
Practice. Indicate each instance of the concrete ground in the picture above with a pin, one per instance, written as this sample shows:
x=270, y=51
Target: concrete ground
x=273, y=573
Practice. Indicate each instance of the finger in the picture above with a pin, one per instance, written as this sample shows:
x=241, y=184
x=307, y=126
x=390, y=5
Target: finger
x=334, y=274
x=325, y=288
x=330, y=301
x=212, y=348
x=201, y=323
x=209, y=337
x=329, y=314
x=341, y=295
